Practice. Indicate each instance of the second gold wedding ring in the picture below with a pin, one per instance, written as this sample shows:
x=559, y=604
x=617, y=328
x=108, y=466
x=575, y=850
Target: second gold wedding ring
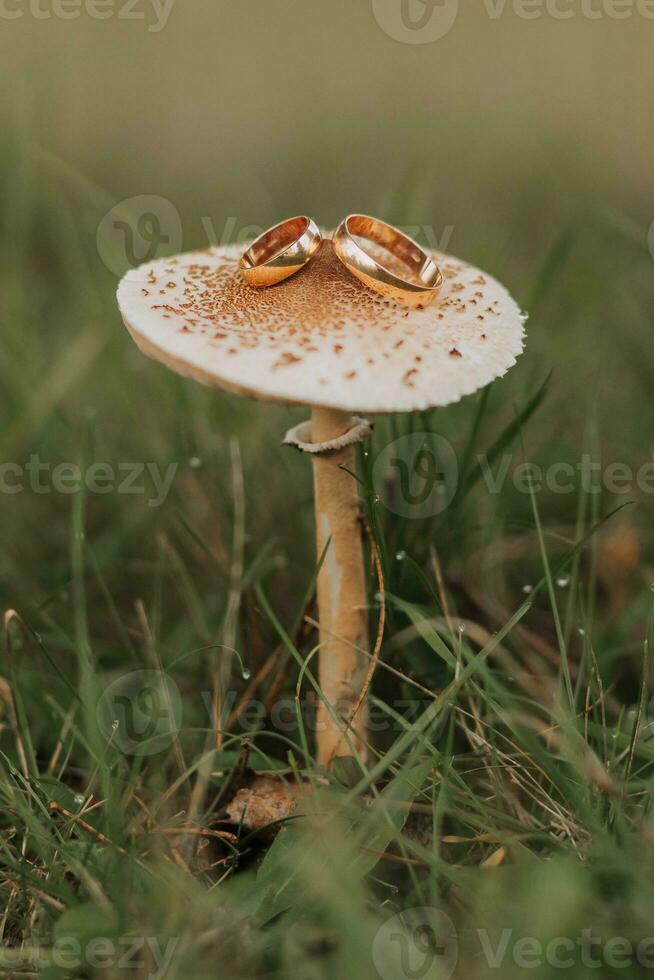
x=386, y=260
x=280, y=252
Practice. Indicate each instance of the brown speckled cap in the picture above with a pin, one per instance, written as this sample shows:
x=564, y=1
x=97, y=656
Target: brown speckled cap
x=322, y=338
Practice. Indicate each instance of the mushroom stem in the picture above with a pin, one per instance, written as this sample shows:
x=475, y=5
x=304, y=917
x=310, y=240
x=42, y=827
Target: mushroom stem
x=341, y=590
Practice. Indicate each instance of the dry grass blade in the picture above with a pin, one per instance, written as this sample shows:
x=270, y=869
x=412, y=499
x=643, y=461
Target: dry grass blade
x=9, y=618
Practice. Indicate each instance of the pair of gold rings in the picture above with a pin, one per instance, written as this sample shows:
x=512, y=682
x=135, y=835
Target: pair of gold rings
x=379, y=255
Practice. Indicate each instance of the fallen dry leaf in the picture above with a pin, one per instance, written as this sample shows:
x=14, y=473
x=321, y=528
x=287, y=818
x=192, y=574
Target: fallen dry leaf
x=265, y=801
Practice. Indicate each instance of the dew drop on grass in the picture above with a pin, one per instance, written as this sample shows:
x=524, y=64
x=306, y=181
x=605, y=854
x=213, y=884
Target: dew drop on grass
x=527, y=588
x=246, y=673
x=114, y=725
x=563, y=582
x=581, y=631
x=195, y=462
x=79, y=799
x=631, y=715
x=400, y=556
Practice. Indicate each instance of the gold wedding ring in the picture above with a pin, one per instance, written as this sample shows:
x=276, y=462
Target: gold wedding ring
x=280, y=252
x=386, y=260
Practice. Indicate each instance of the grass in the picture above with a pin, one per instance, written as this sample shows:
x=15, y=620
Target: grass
x=511, y=784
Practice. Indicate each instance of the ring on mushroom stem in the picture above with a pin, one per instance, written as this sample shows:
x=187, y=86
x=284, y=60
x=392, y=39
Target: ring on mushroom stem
x=280, y=252
x=395, y=266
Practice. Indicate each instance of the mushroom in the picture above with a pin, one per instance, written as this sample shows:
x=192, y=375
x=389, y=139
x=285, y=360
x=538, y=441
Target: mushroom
x=325, y=340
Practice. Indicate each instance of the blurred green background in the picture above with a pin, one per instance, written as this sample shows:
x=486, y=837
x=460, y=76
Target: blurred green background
x=523, y=145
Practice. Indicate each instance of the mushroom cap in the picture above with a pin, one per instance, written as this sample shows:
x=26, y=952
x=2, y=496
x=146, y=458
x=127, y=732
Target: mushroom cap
x=321, y=337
